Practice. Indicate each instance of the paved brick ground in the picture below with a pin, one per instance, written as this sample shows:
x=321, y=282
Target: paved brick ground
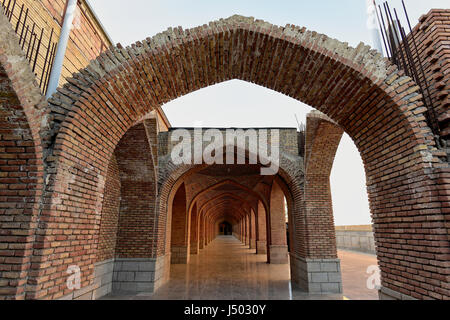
x=354, y=275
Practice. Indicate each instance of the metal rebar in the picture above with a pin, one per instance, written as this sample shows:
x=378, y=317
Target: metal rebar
x=46, y=58
x=432, y=112
x=393, y=58
x=393, y=30
x=23, y=26
x=37, y=49
x=7, y=9
x=25, y=37
x=20, y=18
x=31, y=39
x=381, y=29
x=12, y=10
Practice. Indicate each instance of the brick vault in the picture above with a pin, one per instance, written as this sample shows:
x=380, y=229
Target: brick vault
x=85, y=177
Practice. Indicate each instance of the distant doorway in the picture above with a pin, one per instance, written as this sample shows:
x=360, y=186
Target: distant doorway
x=225, y=229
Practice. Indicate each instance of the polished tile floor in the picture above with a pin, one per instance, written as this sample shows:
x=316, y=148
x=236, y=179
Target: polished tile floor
x=228, y=270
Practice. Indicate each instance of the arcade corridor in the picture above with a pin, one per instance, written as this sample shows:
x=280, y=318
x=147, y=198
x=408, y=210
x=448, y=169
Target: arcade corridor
x=228, y=270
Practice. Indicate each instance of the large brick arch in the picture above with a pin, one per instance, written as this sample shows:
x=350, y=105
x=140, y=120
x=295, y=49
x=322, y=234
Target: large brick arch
x=369, y=98
x=22, y=118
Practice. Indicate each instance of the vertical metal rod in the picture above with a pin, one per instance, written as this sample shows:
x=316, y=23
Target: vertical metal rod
x=32, y=48
x=12, y=10
x=25, y=37
x=394, y=32
x=44, y=69
x=23, y=26
x=20, y=18
x=37, y=49
x=431, y=110
x=381, y=30
x=387, y=37
x=7, y=8
x=31, y=39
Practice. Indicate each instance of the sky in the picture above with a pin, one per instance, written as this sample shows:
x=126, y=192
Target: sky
x=240, y=104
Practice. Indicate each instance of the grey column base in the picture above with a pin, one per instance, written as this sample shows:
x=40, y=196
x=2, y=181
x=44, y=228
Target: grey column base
x=389, y=294
x=140, y=275
x=124, y=276
x=261, y=247
x=318, y=276
x=179, y=254
x=278, y=254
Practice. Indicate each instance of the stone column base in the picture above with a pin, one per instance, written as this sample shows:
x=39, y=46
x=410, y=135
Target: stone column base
x=389, y=294
x=318, y=276
x=278, y=254
x=140, y=275
x=124, y=276
x=252, y=244
x=179, y=255
x=261, y=247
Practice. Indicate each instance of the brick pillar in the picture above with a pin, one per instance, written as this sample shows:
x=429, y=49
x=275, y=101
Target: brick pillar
x=319, y=270
x=201, y=239
x=180, y=247
x=277, y=249
x=194, y=231
x=252, y=229
x=261, y=240
x=137, y=211
x=247, y=230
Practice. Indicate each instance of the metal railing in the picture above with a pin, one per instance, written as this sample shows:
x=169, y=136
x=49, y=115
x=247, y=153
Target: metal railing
x=31, y=40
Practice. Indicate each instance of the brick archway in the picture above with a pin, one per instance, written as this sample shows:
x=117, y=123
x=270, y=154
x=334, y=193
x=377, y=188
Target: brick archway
x=22, y=119
x=369, y=98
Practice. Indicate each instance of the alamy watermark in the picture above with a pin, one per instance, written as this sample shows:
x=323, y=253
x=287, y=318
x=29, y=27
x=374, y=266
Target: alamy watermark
x=374, y=280
x=74, y=280
x=241, y=146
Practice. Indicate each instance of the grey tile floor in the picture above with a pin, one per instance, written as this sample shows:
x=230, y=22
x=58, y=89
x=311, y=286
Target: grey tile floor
x=227, y=270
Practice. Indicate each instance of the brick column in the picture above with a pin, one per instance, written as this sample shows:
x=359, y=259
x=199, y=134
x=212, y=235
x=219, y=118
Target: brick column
x=277, y=249
x=261, y=240
x=201, y=239
x=319, y=270
x=180, y=247
x=252, y=229
x=194, y=231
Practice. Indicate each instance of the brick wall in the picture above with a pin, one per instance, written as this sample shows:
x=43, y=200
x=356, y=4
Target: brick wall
x=137, y=181
x=110, y=213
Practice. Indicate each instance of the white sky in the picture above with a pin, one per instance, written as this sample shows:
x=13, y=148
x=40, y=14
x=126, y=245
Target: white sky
x=240, y=104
